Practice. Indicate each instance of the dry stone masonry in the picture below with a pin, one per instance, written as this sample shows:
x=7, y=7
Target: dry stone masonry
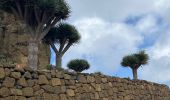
x=14, y=42
x=26, y=84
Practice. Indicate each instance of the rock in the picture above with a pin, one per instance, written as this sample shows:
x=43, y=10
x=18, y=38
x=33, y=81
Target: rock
x=98, y=79
x=36, y=88
x=59, y=74
x=70, y=92
x=27, y=75
x=4, y=92
x=82, y=79
x=55, y=81
x=31, y=82
x=104, y=80
x=47, y=96
x=22, y=82
x=53, y=73
x=16, y=75
x=2, y=73
x=42, y=80
x=1, y=65
x=19, y=69
x=28, y=91
x=57, y=89
x=48, y=88
x=63, y=97
x=39, y=92
x=98, y=88
x=9, y=82
x=21, y=98
x=66, y=76
x=55, y=97
x=10, y=98
x=90, y=79
x=32, y=98
x=7, y=71
x=63, y=89
x=48, y=75
x=35, y=75
x=15, y=92
x=28, y=69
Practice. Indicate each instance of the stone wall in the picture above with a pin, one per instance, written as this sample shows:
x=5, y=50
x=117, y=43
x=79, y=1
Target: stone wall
x=14, y=42
x=25, y=84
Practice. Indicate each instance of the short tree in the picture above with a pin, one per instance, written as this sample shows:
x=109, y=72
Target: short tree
x=65, y=36
x=78, y=65
x=134, y=61
x=38, y=17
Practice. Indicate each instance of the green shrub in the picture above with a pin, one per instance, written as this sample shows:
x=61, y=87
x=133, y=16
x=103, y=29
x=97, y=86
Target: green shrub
x=99, y=73
x=59, y=68
x=49, y=67
x=78, y=65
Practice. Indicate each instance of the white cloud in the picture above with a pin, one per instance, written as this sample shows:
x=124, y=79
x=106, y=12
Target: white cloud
x=106, y=38
x=147, y=25
x=103, y=43
x=158, y=69
x=118, y=10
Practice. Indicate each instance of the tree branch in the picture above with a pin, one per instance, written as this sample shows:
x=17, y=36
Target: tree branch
x=15, y=12
x=26, y=13
x=31, y=31
x=53, y=47
x=66, y=48
x=48, y=28
x=36, y=15
x=19, y=10
x=62, y=44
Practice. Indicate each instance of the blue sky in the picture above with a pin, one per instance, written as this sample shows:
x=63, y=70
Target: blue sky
x=114, y=28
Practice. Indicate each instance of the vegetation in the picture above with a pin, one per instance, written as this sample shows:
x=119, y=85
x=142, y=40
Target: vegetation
x=78, y=65
x=49, y=67
x=65, y=36
x=98, y=73
x=38, y=17
x=134, y=61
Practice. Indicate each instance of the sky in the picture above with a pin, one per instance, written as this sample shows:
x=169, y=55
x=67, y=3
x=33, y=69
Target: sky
x=111, y=29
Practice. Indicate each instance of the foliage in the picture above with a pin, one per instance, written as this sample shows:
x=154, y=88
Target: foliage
x=65, y=35
x=61, y=32
x=78, y=65
x=99, y=73
x=59, y=68
x=135, y=60
x=38, y=15
x=49, y=67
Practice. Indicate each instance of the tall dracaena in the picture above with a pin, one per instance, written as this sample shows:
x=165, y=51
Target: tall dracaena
x=38, y=16
x=135, y=61
x=64, y=35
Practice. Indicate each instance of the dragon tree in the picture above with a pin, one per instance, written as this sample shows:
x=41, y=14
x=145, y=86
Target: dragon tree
x=38, y=17
x=135, y=61
x=64, y=36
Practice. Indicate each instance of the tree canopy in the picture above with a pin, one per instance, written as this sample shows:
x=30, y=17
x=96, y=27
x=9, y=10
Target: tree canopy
x=135, y=60
x=39, y=15
x=65, y=35
x=78, y=65
x=63, y=32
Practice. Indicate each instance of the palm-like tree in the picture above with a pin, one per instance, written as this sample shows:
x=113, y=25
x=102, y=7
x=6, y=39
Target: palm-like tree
x=134, y=61
x=64, y=35
x=38, y=17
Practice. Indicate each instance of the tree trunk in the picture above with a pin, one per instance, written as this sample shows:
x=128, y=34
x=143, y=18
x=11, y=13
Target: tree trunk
x=58, y=61
x=135, y=76
x=33, y=55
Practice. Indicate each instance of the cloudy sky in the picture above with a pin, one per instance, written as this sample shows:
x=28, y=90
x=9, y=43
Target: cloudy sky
x=111, y=29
